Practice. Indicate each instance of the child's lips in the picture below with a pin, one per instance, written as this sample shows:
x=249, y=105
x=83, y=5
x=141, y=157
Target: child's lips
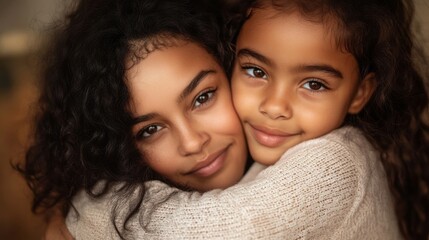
x=269, y=137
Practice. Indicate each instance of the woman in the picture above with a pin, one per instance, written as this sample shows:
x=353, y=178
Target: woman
x=314, y=84
x=132, y=93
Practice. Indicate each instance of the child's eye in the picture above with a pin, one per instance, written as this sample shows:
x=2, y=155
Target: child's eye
x=148, y=131
x=314, y=85
x=204, y=98
x=255, y=72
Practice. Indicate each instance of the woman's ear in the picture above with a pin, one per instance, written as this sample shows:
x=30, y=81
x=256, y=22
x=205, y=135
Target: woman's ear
x=364, y=92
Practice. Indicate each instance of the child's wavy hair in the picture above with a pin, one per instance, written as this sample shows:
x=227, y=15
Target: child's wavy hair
x=379, y=33
x=82, y=131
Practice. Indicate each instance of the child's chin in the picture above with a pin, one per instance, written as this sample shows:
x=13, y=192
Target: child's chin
x=265, y=157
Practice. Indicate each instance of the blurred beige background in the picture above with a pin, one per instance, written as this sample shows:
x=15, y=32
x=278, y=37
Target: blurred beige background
x=22, y=26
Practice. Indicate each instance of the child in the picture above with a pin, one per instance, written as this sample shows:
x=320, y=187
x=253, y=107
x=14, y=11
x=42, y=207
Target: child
x=131, y=94
x=332, y=89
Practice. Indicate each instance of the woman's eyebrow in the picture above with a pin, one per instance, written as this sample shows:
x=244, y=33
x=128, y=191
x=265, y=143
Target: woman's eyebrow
x=143, y=118
x=194, y=83
x=188, y=89
x=245, y=52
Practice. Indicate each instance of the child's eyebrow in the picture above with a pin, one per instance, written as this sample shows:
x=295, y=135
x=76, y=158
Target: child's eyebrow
x=319, y=68
x=245, y=52
x=194, y=83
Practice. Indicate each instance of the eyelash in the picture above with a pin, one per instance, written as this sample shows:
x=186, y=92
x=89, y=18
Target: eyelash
x=141, y=134
x=246, y=69
x=315, y=80
x=211, y=94
x=311, y=80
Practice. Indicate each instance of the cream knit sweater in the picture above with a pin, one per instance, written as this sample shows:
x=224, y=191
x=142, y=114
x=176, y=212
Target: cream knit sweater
x=333, y=187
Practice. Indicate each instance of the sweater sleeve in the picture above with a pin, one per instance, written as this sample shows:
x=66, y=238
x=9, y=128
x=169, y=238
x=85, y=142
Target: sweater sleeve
x=98, y=218
x=308, y=193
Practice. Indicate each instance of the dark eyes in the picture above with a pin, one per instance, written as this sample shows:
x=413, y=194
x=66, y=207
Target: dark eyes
x=314, y=85
x=148, y=131
x=152, y=129
x=200, y=100
x=204, y=98
x=255, y=72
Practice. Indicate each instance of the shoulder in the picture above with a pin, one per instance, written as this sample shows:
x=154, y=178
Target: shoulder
x=253, y=171
x=326, y=176
x=346, y=147
x=336, y=163
x=97, y=217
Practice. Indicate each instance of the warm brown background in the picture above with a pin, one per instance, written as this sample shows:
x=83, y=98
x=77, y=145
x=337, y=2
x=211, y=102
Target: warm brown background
x=22, y=24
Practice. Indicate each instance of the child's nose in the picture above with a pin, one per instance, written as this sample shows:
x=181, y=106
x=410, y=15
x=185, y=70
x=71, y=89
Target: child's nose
x=276, y=106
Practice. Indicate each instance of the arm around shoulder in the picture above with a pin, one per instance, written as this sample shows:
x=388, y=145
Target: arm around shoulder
x=307, y=193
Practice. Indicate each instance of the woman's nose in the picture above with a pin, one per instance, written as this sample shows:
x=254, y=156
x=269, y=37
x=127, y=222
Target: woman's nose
x=192, y=139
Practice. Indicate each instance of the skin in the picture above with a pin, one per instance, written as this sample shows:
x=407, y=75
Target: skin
x=291, y=83
x=186, y=124
x=56, y=227
x=302, y=85
x=195, y=140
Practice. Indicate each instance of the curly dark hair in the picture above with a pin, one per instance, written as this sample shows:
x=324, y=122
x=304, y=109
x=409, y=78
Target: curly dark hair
x=379, y=34
x=82, y=131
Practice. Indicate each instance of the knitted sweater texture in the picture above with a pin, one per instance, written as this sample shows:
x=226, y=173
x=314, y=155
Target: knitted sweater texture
x=332, y=187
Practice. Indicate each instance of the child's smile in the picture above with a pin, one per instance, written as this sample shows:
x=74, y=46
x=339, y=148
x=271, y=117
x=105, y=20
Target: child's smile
x=270, y=137
x=291, y=83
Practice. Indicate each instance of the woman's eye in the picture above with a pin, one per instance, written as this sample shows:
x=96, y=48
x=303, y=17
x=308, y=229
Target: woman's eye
x=314, y=85
x=204, y=98
x=148, y=131
x=255, y=72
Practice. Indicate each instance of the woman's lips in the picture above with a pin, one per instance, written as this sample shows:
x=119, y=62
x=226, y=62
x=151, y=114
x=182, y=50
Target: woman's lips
x=210, y=165
x=269, y=137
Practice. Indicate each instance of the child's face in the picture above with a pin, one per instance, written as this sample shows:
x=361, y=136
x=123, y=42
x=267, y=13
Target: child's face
x=187, y=126
x=291, y=83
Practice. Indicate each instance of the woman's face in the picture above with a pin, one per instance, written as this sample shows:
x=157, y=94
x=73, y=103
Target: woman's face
x=185, y=123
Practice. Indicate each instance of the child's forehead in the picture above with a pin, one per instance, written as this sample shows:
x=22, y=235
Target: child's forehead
x=265, y=14
x=323, y=16
x=331, y=24
x=278, y=37
x=312, y=11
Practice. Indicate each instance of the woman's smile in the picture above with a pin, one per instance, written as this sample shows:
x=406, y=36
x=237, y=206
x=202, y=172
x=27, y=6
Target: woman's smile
x=193, y=137
x=211, y=164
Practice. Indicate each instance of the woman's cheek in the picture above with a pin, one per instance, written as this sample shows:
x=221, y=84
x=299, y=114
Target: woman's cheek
x=160, y=156
x=225, y=119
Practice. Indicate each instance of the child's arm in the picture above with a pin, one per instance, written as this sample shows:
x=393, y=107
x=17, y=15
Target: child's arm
x=308, y=192
x=314, y=189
